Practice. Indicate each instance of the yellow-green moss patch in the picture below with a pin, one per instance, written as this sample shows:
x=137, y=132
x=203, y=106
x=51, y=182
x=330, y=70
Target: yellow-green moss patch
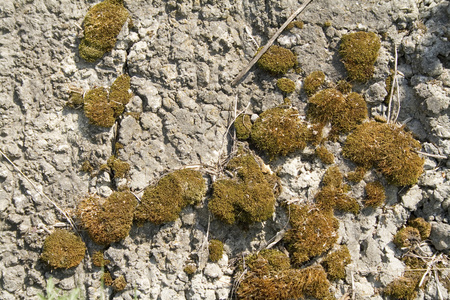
x=98, y=260
x=335, y=263
x=107, y=220
x=277, y=60
x=387, y=147
x=325, y=156
x=344, y=86
x=267, y=261
x=313, y=81
x=215, y=250
x=243, y=126
x=63, y=249
x=359, y=51
x=119, y=95
x=357, y=175
x=246, y=198
x=406, y=237
x=280, y=131
x=118, y=167
x=313, y=232
x=190, y=269
x=403, y=288
x=375, y=194
x=163, y=203
x=286, y=85
x=102, y=24
x=297, y=24
x=119, y=283
x=75, y=100
x=423, y=226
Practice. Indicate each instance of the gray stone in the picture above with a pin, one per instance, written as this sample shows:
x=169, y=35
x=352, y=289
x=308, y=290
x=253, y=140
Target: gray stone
x=412, y=198
x=440, y=237
x=213, y=271
x=13, y=278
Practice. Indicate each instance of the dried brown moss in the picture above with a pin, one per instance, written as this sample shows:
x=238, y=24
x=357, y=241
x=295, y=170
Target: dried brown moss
x=63, y=249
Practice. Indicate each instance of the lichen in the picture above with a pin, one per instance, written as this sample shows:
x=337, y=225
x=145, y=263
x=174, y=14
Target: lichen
x=163, y=203
x=102, y=24
x=407, y=237
x=246, y=198
x=286, y=85
x=335, y=263
x=277, y=60
x=313, y=81
x=215, y=250
x=280, y=131
x=313, y=231
x=243, y=126
x=387, y=147
x=63, y=249
x=325, y=156
x=107, y=220
x=375, y=194
x=359, y=51
x=423, y=226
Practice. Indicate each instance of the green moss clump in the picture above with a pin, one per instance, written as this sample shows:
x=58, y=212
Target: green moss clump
x=375, y=194
x=325, y=156
x=359, y=51
x=190, y=269
x=102, y=24
x=107, y=220
x=332, y=177
x=335, y=263
x=313, y=231
x=119, y=95
x=98, y=260
x=298, y=24
x=286, y=85
x=407, y=237
x=277, y=60
x=87, y=167
x=280, y=131
x=163, y=203
x=247, y=198
x=357, y=175
x=313, y=81
x=403, y=288
x=215, y=250
x=97, y=108
x=243, y=126
x=119, y=283
x=119, y=168
x=387, y=147
x=343, y=112
x=63, y=249
x=267, y=261
x=75, y=100
x=423, y=226
x=344, y=86
x=107, y=279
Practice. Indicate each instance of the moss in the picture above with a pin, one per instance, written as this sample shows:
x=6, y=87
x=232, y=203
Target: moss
x=343, y=112
x=332, y=177
x=325, y=156
x=102, y=24
x=87, y=167
x=119, y=168
x=403, y=288
x=407, y=237
x=375, y=194
x=97, y=108
x=423, y=226
x=388, y=82
x=246, y=198
x=119, y=95
x=313, y=81
x=298, y=24
x=327, y=23
x=75, y=100
x=215, y=250
x=107, y=279
x=163, y=203
x=190, y=269
x=312, y=232
x=344, y=86
x=243, y=126
x=63, y=249
x=335, y=263
x=279, y=131
x=359, y=51
x=357, y=175
x=286, y=85
x=267, y=261
x=98, y=260
x=107, y=220
x=277, y=60
x=119, y=284
x=387, y=147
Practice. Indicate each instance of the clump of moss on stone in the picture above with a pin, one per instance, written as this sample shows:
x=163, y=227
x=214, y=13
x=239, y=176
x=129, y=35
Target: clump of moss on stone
x=102, y=108
x=387, y=147
x=215, y=250
x=423, y=226
x=313, y=231
x=267, y=261
x=286, y=85
x=277, y=60
x=163, y=203
x=63, y=249
x=119, y=284
x=335, y=263
x=280, y=131
x=243, y=126
x=343, y=112
x=87, y=167
x=375, y=194
x=313, y=81
x=357, y=175
x=298, y=24
x=190, y=269
x=107, y=220
x=359, y=51
x=344, y=86
x=333, y=194
x=102, y=24
x=246, y=198
x=118, y=167
x=107, y=279
x=407, y=237
x=75, y=100
x=325, y=156
x=98, y=260
x=403, y=288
